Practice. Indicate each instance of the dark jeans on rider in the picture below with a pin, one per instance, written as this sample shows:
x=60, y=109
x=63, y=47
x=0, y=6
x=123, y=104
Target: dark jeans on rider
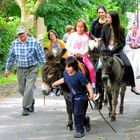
x=129, y=74
x=99, y=87
x=79, y=106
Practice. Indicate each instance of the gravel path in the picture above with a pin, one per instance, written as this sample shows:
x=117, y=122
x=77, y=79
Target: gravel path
x=49, y=122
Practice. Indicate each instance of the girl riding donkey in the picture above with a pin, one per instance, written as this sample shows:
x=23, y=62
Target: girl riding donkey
x=77, y=45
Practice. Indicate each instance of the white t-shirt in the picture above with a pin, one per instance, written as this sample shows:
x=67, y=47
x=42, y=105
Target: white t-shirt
x=77, y=44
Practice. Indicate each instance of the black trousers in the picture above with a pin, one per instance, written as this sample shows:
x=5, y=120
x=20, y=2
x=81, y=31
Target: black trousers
x=99, y=86
x=79, y=111
x=129, y=74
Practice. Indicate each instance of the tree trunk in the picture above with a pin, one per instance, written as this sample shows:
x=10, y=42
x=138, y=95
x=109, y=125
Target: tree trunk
x=26, y=15
x=37, y=4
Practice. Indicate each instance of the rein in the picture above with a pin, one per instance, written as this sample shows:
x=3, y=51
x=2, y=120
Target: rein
x=102, y=115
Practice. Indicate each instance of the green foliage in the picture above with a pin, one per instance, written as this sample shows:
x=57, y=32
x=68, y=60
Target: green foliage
x=126, y=5
x=9, y=8
x=60, y=13
x=30, y=5
x=7, y=34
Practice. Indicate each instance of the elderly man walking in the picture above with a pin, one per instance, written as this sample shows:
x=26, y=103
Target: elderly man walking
x=25, y=51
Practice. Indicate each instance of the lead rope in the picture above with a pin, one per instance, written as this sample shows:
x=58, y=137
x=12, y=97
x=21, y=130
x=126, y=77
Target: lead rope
x=102, y=116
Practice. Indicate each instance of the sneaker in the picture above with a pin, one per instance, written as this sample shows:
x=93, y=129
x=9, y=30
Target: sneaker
x=79, y=135
x=25, y=112
x=31, y=109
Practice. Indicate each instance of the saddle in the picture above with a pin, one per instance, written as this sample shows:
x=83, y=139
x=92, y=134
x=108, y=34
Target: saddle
x=83, y=68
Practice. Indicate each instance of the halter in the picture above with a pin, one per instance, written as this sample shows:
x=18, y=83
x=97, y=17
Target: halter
x=56, y=90
x=105, y=64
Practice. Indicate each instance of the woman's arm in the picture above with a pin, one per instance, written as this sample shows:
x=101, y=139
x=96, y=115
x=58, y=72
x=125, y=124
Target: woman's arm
x=102, y=41
x=91, y=33
x=58, y=82
x=120, y=42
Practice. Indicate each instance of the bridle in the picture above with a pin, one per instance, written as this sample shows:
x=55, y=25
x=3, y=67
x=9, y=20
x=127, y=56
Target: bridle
x=106, y=62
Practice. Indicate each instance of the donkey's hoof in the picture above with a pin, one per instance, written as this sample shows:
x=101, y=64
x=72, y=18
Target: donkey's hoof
x=109, y=114
x=121, y=111
x=105, y=102
x=70, y=127
x=113, y=118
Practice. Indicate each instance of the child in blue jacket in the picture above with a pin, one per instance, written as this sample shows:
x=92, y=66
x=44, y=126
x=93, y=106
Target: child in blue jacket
x=79, y=87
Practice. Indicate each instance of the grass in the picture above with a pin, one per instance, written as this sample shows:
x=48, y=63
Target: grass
x=12, y=78
x=6, y=81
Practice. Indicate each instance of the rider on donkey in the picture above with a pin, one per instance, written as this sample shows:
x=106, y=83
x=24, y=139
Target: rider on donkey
x=77, y=45
x=113, y=40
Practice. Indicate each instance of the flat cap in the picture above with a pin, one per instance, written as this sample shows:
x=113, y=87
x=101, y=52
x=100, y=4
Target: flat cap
x=20, y=30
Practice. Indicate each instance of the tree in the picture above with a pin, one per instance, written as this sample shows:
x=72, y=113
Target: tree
x=9, y=8
x=60, y=13
x=28, y=10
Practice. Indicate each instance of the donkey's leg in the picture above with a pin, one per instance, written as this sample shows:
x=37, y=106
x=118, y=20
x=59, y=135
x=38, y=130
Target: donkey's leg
x=105, y=99
x=109, y=97
x=114, y=104
x=69, y=110
x=122, y=95
x=116, y=95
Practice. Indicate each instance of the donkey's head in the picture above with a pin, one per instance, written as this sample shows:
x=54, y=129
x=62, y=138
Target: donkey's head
x=53, y=70
x=107, y=65
x=112, y=70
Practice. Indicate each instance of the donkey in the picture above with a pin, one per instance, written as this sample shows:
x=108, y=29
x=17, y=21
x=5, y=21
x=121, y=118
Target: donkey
x=94, y=56
x=112, y=77
x=53, y=71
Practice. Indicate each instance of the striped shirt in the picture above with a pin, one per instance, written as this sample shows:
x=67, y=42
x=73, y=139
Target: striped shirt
x=25, y=55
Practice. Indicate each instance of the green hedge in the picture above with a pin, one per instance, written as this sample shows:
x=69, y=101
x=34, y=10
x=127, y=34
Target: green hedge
x=7, y=35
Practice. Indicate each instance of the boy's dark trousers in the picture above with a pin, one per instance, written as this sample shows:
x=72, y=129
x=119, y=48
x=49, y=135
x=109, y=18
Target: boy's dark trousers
x=79, y=111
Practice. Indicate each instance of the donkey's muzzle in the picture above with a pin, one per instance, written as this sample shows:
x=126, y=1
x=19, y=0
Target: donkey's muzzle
x=46, y=92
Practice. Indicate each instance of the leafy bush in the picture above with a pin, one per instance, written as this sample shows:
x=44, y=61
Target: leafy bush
x=60, y=13
x=7, y=35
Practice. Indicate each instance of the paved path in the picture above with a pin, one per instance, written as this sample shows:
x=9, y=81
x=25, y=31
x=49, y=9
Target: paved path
x=49, y=122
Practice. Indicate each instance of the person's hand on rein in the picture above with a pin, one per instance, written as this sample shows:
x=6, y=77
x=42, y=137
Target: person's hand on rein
x=55, y=84
x=78, y=55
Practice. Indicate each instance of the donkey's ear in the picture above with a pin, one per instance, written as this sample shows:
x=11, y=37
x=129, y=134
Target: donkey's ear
x=49, y=56
x=46, y=51
x=106, y=53
x=62, y=61
x=64, y=51
x=58, y=57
